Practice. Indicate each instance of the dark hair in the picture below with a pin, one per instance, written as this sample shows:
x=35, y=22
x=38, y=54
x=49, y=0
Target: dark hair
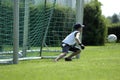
x=77, y=26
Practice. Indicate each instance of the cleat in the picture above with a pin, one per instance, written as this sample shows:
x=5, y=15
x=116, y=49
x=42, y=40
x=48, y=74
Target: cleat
x=67, y=59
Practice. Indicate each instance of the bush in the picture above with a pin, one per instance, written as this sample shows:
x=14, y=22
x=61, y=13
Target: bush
x=95, y=30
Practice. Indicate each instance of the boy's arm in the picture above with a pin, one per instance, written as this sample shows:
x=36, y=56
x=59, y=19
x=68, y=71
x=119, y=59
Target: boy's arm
x=77, y=38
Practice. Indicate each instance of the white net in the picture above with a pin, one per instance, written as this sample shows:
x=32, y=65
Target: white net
x=34, y=19
x=43, y=25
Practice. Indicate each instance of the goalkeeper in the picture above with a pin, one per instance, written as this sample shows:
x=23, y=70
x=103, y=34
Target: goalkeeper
x=72, y=43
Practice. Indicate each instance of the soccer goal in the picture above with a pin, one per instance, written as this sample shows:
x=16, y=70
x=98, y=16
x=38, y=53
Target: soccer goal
x=23, y=27
x=34, y=29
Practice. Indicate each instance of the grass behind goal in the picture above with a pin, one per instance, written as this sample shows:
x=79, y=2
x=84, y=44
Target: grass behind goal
x=96, y=63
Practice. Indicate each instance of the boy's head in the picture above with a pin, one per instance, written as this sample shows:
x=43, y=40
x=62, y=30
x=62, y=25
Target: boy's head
x=78, y=27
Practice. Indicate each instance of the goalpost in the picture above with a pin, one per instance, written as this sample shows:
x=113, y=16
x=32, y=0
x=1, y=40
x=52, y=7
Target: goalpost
x=15, y=31
x=39, y=27
x=79, y=15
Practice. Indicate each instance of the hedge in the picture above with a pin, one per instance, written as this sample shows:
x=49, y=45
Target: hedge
x=61, y=25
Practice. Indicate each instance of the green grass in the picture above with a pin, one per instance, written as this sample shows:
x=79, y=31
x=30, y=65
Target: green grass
x=96, y=63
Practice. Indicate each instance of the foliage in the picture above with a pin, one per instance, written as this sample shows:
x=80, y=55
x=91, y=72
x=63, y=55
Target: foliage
x=62, y=21
x=5, y=28
x=6, y=23
x=95, y=30
x=61, y=25
x=114, y=18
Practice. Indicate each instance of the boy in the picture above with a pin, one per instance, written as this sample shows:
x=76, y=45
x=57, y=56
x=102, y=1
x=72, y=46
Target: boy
x=70, y=44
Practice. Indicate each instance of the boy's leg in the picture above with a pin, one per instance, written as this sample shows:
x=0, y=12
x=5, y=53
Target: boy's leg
x=60, y=56
x=65, y=50
x=73, y=54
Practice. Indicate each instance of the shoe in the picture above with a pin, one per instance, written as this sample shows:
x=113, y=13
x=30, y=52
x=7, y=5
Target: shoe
x=55, y=60
x=67, y=59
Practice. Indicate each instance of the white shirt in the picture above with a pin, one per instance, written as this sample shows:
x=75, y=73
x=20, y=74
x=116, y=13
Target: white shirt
x=70, y=39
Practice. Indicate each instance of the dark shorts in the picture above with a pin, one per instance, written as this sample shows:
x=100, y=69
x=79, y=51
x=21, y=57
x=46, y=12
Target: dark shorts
x=66, y=48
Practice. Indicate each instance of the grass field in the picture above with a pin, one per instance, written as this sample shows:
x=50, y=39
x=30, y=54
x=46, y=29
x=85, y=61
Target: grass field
x=96, y=63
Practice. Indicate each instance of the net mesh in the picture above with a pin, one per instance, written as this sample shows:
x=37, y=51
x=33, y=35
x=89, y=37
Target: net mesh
x=6, y=27
x=60, y=26
x=34, y=15
x=43, y=25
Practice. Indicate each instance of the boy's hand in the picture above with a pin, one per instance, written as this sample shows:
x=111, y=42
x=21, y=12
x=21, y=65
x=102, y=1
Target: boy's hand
x=82, y=46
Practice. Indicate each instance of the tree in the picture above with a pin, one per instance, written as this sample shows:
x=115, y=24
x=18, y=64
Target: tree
x=109, y=18
x=95, y=31
x=115, y=18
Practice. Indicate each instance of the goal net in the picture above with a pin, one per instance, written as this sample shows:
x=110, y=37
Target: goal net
x=34, y=21
x=6, y=28
x=43, y=24
x=61, y=25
